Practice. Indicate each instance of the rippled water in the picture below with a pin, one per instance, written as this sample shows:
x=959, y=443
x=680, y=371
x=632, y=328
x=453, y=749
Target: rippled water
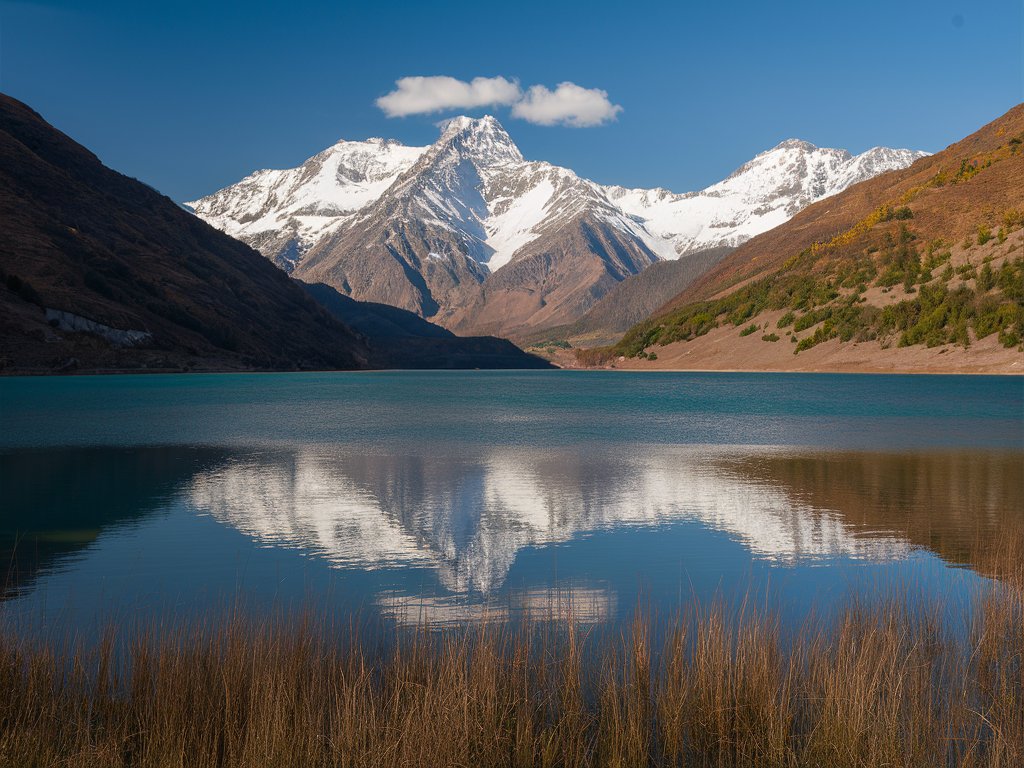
x=447, y=497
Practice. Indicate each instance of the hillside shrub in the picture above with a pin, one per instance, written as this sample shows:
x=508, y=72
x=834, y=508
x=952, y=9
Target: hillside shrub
x=986, y=279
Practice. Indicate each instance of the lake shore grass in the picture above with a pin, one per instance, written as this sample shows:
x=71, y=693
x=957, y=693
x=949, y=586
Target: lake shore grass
x=881, y=683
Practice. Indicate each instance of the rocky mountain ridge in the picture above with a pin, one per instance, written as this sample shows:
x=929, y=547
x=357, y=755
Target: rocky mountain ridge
x=469, y=233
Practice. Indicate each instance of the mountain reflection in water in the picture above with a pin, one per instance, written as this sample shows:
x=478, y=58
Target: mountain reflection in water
x=466, y=535
x=467, y=518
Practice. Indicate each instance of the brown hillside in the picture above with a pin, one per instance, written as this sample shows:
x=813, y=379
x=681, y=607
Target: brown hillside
x=919, y=269
x=950, y=211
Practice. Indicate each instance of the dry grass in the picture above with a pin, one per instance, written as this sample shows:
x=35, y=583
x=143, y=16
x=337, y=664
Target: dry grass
x=884, y=684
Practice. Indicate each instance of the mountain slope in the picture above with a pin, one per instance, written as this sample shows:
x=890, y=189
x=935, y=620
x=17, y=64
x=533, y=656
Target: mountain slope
x=761, y=194
x=470, y=212
x=636, y=298
x=403, y=339
x=101, y=271
x=283, y=213
x=471, y=234
x=888, y=275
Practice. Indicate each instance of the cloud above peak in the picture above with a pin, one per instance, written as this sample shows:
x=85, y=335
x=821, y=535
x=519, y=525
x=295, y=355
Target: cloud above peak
x=423, y=95
x=569, y=104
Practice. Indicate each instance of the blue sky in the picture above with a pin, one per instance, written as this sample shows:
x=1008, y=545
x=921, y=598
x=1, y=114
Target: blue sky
x=191, y=96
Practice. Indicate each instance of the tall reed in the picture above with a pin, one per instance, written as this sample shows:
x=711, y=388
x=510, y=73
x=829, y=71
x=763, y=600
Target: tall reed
x=887, y=683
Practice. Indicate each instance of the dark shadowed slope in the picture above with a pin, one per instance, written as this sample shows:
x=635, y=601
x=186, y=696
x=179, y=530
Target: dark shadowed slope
x=638, y=296
x=402, y=339
x=100, y=271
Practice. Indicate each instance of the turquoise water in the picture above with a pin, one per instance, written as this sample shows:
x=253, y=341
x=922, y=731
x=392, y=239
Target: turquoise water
x=448, y=497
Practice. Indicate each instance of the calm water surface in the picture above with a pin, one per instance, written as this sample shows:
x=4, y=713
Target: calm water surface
x=446, y=497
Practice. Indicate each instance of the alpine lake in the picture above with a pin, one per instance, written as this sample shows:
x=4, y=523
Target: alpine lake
x=452, y=498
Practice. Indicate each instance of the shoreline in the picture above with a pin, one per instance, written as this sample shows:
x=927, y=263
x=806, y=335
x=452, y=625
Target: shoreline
x=581, y=369
x=817, y=371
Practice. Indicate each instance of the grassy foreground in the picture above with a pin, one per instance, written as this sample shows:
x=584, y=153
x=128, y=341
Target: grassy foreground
x=884, y=685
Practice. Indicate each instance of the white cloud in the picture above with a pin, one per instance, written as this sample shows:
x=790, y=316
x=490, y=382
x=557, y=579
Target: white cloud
x=568, y=104
x=422, y=95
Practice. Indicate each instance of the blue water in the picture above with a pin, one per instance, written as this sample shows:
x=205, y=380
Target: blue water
x=449, y=497
x=536, y=408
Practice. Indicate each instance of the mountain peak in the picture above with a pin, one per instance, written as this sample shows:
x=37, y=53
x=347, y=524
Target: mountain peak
x=886, y=152
x=483, y=137
x=381, y=142
x=465, y=122
x=800, y=144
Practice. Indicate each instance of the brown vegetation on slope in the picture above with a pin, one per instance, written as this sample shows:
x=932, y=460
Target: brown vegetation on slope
x=948, y=229
x=942, y=208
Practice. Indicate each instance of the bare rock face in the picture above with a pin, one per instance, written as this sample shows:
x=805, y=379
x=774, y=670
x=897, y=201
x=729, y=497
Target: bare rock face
x=472, y=235
x=554, y=279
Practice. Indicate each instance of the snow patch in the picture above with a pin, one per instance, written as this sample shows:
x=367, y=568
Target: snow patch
x=510, y=230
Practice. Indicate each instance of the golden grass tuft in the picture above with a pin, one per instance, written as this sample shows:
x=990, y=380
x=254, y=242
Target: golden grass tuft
x=882, y=683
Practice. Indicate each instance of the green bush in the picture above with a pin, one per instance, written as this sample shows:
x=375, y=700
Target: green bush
x=992, y=315
x=770, y=337
x=749, y=330
x=984, y=234
x=968, y=169
x=986, y=279
x=1009, y=338
x=1011, y=279
x=935, y=258
x=902, y=264
x=967, y=271
x=809, y=319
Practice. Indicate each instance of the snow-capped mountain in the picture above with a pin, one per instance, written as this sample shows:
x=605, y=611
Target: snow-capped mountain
x=471, y=234
x=282, y=213
x=475, y=236
x=760, y=195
